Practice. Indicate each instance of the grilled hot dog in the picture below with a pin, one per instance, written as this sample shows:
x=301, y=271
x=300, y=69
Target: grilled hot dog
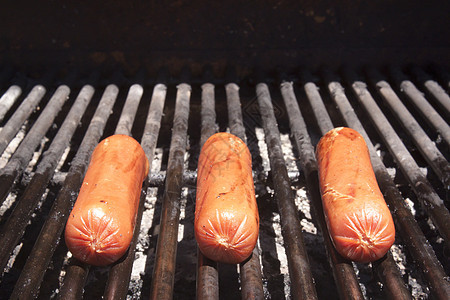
x=101, y=224
x=358, y=219
x=226, y=214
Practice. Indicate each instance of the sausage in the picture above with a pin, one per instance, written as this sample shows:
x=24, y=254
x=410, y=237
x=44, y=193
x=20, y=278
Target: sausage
x=101, y=224
x=226, y=222
x=358, y=219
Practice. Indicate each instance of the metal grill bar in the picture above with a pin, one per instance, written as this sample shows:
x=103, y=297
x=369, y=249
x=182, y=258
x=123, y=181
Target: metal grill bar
x=416, y=242
x=74, y=280
x=8, y=98
x=323, y=120
x=250, y=270
x=22, y=113
x=207, y=278
x=390, y=276
x=153, y=122
x=235, y=120
x=439, y=94
x=24, y=152
x=423, y=189
x=190, y=177
x=208, y=113
x=164, y=269
x=302, y=285
x=428, y=149
x=129, y=110
x=37, y=263
x=344, y=274
x=14, y=227
x=207, y=269
x=425, y=108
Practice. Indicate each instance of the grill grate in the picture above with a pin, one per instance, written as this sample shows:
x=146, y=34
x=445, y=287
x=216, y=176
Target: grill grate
x=45, y=153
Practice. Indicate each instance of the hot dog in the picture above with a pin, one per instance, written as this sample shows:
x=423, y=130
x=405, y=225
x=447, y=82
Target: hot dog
x=358, y=219
x=101, y=224
x=226, y=222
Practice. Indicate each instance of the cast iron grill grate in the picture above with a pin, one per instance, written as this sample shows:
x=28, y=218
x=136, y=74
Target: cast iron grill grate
x=50, y=127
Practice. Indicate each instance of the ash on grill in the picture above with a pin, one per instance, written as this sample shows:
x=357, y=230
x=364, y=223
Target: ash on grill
x=85, y=111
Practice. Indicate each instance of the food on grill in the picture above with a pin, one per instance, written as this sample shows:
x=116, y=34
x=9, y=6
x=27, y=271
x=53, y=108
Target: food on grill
x=226, y=213
x=102, y=221
x=358, y=219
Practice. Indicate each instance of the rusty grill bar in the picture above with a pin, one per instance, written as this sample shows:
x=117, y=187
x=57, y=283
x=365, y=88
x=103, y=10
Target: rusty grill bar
x=49, y=130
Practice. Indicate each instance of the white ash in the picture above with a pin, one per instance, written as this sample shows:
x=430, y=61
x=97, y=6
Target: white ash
x=63, y=158
x=39, y=204
x=183, y=199
x=424, y=171
x=399, y=257
x=183, y=196
x=59, y=176
x=6, y=205
x=12, y=259
x=62, y=273
x=392, y=172
x=307, y=226
x=28, y=173
x=147, y=220
x=36, y=156
x=289, y=156
x=301, y=198
x=263, y=149
x=410, y=204
x=143, y=244
x=12, y=146
x=430, y=223
x=416, y=289
x=281, y=251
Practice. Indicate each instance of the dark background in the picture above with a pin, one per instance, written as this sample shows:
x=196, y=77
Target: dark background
x=132, y=35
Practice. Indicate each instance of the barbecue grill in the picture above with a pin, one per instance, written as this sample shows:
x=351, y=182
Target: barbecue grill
x=276, y=76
